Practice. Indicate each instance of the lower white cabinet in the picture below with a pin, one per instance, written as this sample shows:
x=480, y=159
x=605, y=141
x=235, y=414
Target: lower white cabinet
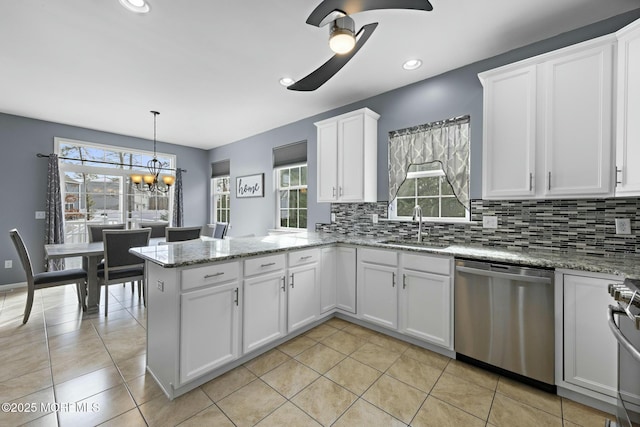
x=377, y=292
x=328, y=282
x=426, y=308
x=209, y=329
x=265, y=310
x=338, y=279
x=303, y=300
x=590, y=350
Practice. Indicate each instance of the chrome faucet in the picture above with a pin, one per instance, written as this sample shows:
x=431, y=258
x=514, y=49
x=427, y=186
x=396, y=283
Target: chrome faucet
x=417, y=215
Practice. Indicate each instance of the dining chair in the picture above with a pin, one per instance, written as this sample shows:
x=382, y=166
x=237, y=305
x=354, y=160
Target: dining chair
x=120, y=265
x=95, y=230
x=180, y=234
x=220, y=230
x=77, y=276
x=158, y=229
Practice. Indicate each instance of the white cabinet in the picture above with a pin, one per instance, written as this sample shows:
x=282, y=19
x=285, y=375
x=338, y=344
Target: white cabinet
x=548, y=124
x=265, y=307
x=628, y=111
x=209, y=329
x=426, y=305
x=590, y=350
x=338, y=279
x=377, y=292
x=304, y=288
x=347, y=157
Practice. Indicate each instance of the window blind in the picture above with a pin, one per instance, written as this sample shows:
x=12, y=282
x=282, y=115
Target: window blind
x=221, y=168
x=290, y=154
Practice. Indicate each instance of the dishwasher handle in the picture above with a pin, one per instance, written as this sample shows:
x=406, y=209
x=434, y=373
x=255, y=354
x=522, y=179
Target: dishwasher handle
x=501, y=275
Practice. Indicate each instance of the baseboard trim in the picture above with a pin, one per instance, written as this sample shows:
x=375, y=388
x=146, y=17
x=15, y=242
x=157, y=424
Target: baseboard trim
x=11, y=286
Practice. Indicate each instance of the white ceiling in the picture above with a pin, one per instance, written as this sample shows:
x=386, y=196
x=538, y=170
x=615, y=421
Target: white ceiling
x=212, y=67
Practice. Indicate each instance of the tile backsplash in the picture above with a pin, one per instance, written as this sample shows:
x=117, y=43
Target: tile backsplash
x=573, y=225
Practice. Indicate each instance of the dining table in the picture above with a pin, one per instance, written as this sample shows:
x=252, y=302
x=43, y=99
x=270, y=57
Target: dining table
x=92, y=253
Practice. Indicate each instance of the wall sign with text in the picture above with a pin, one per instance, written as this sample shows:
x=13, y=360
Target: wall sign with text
x=250, y=186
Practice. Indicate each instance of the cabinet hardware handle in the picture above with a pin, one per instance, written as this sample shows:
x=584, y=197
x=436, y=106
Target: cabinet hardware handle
x=209, y=276
x=393, y=280
x=530, y=182
x=341, y=191
x=333, y=189
x=404, y=281
x=268, y=264
x=618, y=171
x=292, y=281
x=284, y=287
x=236, y=301
x=549, y=181
x=305, y=257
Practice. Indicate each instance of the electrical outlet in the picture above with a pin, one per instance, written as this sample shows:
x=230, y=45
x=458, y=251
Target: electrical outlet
x=8, y=263
x=374, y=218
x=333, y=217
x=490, y=221
x=160, y=285
x=40, y=215
x=623, y=226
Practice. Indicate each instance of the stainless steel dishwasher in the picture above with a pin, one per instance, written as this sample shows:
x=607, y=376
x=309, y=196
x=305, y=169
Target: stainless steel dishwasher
x=504, y=319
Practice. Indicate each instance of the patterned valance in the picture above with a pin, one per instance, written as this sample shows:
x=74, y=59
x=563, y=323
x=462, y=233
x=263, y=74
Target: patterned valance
x=446, y=142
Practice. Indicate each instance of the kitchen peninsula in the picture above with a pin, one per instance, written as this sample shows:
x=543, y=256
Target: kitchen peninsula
x=213, y=305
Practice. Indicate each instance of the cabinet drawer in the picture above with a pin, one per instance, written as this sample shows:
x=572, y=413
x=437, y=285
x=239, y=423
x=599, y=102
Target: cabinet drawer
x=304, y=257
x=378, y=256
x=427, y=263
x=209, y=275
x=264, y=264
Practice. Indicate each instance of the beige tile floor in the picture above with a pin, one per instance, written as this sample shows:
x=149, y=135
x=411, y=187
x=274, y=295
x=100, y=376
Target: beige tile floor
x=338, y=374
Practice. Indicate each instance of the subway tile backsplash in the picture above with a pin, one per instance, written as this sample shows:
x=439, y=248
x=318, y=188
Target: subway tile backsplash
x=572, y=225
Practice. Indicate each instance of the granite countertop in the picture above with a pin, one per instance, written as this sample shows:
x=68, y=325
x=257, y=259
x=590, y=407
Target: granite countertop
x=204, y=251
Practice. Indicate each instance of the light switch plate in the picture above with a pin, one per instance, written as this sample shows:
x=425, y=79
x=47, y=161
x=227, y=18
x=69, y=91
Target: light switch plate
x=490, y=221
x=623, y=226
x=40, y=215
x=8, y=263
x=374, y=218
x=333, y=217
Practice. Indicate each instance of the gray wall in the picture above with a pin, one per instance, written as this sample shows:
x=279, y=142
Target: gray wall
x=23, y=182
x=455, y=93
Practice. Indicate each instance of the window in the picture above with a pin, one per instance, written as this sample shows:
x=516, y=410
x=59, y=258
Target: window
x=292, y=191
x=427, y=186
x=96, y=188
x=221, y=196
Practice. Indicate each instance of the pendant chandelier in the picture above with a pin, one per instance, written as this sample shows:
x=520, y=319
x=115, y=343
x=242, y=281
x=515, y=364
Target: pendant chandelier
x=151, y=182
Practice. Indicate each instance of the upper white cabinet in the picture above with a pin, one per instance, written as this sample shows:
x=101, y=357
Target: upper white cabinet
x=628, y=111
x=548, y=124
x=347, y=157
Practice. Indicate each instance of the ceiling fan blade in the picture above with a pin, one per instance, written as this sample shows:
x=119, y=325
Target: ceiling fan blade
x=320, y=76
x=349, y=7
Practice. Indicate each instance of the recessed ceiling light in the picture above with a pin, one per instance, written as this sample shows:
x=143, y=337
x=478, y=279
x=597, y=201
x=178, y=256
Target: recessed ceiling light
x=137, y=6
x=412, y=64
x=287, y=81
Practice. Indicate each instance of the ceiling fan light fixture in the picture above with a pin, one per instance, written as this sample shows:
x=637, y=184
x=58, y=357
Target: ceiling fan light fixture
x=412, y=64
x=137, y=6
x=342, y=37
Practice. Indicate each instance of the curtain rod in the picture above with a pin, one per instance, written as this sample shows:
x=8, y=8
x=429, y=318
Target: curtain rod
x=106, y=163
x=423, y=127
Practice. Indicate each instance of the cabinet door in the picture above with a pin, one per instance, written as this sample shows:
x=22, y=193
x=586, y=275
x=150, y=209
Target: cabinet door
x=351, y=159
x=628, y=111
x=509, y=145
x=304, y=295
x=578, y=128
x=264, y=310
x=328, y=280
x=590, y=350
x=209, y=329
x=346, y=279
x=425, y=307
x=377, y=294
x=328, y=162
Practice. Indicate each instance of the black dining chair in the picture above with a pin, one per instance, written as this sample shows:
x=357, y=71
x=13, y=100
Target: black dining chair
x=180, y=234
x=120, y=265
x=220, y=230
x=158, y=229
x=48, y=279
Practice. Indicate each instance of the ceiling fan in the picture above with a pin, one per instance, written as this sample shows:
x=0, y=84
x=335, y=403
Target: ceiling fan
x=342, y=37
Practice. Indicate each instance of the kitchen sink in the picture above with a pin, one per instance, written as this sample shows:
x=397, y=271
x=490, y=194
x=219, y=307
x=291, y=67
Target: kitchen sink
x=415, y=244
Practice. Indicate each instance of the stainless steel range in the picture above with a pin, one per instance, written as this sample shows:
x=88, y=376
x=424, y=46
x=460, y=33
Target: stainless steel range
x=627, y=332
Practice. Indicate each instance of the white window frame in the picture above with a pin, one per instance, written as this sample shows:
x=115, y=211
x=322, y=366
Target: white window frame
x=216, y=195
x=294, y=187
x=393, y=207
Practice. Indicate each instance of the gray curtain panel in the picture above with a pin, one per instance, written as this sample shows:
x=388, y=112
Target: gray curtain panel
x=446, y=142
x=54, y=226
x=178, y=206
